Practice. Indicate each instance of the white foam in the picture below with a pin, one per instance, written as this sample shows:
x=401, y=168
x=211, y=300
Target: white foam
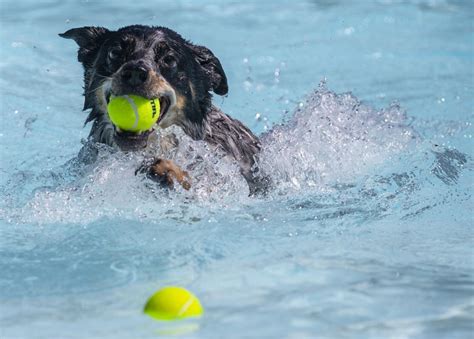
x=333, y=138
x=330, y=138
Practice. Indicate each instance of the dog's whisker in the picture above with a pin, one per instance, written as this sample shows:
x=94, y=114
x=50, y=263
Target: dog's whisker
x=103, y=76
x=94, y=89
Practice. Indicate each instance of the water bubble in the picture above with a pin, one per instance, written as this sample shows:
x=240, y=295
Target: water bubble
x=348, y=31
x=376, y=55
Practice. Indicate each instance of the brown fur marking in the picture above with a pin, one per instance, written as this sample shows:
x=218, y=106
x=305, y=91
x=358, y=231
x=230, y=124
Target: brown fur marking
x=168, y=169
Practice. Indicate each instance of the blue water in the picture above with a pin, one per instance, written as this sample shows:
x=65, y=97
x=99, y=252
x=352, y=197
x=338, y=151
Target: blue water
x=365, y=110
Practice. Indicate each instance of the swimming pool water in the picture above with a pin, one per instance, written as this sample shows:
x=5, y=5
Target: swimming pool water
x=365, y=111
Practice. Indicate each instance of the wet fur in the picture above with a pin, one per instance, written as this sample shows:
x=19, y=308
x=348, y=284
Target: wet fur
x=177, y=70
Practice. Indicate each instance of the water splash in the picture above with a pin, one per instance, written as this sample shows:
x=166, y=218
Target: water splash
x=331, y=138
x=333, y=148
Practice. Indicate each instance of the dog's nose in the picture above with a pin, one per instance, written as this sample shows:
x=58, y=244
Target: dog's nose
x=135, y=76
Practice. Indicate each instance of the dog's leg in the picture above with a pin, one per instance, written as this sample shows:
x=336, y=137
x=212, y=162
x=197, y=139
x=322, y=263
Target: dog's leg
x=165, y=172
x=168, y=170
x=237, y=140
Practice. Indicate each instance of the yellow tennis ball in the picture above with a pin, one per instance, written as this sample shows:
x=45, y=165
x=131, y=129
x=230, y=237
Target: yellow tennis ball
x=171, y=303
x=133, y=113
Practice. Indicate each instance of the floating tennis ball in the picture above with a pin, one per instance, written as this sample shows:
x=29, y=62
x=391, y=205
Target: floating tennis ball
x=172, y=303
x=133, y=113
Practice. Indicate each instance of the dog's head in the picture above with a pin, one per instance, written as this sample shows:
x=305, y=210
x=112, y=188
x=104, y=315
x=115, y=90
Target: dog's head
x=153, y=62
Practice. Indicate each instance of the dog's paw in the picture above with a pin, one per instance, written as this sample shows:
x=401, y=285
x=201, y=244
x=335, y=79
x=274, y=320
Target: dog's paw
x=165, y=172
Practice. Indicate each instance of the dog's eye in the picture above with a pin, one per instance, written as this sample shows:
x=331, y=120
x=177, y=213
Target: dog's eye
x=170, y=61
x=114, y=53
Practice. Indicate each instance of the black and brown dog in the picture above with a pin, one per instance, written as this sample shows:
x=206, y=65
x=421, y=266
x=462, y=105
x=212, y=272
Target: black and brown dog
x=156, y=62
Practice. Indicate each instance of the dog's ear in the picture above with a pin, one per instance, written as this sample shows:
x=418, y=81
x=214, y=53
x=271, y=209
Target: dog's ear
x=88, y=39
x=213, y=69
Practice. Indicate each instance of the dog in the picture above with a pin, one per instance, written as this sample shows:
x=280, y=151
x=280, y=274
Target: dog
x=156, y=62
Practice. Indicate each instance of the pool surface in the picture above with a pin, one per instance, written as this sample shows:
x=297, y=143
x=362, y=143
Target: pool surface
x=365, y=109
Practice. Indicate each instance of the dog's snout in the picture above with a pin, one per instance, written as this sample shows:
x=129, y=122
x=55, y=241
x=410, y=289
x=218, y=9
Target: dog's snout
x=135, y=75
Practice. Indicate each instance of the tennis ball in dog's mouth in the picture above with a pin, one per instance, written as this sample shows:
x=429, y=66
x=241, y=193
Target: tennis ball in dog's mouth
x=172, y=303
x=133, y=113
